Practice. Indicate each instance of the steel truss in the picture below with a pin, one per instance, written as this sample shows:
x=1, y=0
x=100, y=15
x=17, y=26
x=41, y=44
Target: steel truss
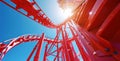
x=61, y=49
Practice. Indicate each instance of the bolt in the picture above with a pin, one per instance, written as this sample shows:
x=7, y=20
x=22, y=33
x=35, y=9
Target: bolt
x=115, y=52
x=107, y=49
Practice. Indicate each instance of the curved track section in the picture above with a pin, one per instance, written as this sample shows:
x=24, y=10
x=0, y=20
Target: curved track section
x=16, y=41
x=31, y=10
x=59, y=49
x=89, y=49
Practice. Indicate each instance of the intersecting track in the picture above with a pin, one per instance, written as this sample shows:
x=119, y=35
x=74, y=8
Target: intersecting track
x=40, y=17
x=61, y=49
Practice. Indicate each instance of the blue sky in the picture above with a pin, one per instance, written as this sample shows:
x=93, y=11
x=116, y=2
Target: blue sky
x=13, y=24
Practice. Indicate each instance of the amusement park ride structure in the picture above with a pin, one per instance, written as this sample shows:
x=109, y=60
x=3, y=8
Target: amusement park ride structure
x=95, y=29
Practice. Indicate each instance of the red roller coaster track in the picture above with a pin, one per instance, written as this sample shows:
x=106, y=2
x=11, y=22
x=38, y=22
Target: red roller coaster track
x=90, y=46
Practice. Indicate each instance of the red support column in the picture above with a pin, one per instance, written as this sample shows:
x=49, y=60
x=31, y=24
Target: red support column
x=45, y=53
x=80, y=46
x=64, y=45
x=32, y=52
x=70, y=51
x=75, y=54
x=55, y=40
x=37, y=55
x=57, y=52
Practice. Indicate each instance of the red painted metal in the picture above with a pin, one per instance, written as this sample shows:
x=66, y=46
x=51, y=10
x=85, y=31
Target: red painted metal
x=37, y=55
x=65, y=45
x=91, y=47
x=32, y=53
x=81, y=48
x=37, y=13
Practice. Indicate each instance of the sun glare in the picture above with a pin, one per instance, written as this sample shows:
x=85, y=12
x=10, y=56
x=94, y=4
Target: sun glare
x=67, y=12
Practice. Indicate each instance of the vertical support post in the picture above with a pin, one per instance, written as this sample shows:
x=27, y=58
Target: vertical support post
x=37, y=47
x=45, y=53
x=64, y=45
x=76, y=57
x=57, y=56
x=70, y=51
x=63, y=55
x=55, y=40
x=57, y=52
x=80, y=47
x=32, y=52
x=37, y=55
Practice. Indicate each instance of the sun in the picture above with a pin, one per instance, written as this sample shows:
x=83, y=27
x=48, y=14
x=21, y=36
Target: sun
x=62, y=14
x=67, y=12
